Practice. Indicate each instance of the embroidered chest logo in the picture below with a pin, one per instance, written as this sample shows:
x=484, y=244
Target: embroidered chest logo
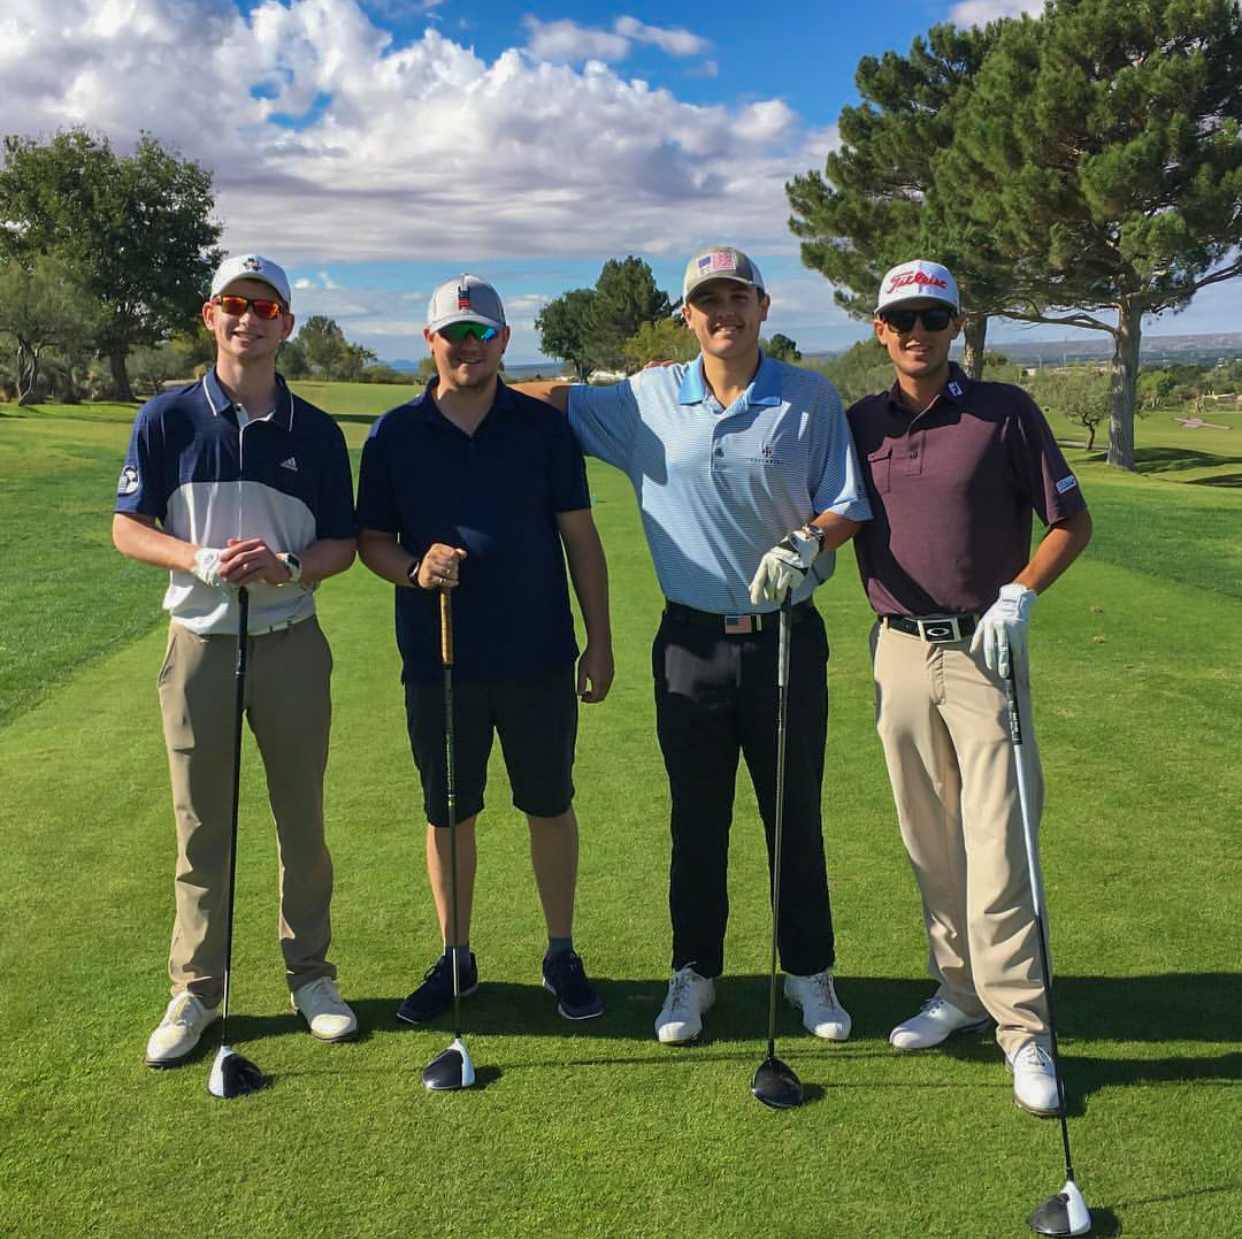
x=767, y=456
x=955, y=388
x=291, y=464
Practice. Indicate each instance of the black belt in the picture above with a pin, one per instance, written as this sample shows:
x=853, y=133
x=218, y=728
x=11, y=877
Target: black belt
x=736, y=625
x=934, y=628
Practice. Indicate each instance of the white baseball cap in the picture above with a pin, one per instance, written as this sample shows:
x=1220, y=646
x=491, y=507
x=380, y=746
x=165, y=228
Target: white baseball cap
x=918, y=280
x=251, y=267
x=467, y=299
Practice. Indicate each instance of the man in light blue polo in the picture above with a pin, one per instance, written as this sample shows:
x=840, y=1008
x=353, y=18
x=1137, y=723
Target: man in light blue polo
x=747, y=481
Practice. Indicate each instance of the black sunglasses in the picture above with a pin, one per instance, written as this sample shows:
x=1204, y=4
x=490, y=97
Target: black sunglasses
x=934, y=318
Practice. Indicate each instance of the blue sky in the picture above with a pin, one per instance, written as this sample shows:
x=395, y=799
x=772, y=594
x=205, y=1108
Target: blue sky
x=376, y=147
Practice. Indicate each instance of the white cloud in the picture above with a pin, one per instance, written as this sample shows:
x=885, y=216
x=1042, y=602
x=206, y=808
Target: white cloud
x=566, y=40
x=980, y=12
x=676, y=42
x=406, y=152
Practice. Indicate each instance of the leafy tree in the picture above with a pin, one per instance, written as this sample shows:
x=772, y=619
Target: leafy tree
x=153, y=366
x=626, y=296
x=870, y=208
x=324, y=344
x=782, y=348
x=136, y=231
x=1155, y=387
x=669, y=339
x=564, y=327
x=353, y=358
x=42, y=308
x=291, y=359
x=863, y=369
x=427, y=369
x=1100, y=148
x=1080, y=395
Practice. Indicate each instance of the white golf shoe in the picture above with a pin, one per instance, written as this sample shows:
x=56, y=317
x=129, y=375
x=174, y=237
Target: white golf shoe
x=822, y=1013
x=324, y=1010
x=936, y=1022
x=681, y=1018
x=1034, y=1080
x=177, y=1034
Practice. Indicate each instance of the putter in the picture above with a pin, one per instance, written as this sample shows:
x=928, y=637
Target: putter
x=774, y=1082
x=452, y=1069
x=231, y=1074
x=1064, y=1213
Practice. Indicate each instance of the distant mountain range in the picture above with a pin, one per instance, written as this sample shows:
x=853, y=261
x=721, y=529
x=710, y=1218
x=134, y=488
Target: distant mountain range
x=549, y=369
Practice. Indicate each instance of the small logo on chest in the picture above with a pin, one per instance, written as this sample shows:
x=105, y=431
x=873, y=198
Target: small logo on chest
x=291, y=464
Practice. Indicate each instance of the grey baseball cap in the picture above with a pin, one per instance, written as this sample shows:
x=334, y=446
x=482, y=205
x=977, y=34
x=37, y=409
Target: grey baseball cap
x=251, y=267
x=466, y=299
x=721, y=262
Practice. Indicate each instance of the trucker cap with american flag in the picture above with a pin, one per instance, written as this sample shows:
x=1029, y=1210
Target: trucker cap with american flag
x=721, y=262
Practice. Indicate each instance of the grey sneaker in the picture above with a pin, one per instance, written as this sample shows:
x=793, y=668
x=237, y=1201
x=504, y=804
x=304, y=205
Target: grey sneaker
x=177, y=1034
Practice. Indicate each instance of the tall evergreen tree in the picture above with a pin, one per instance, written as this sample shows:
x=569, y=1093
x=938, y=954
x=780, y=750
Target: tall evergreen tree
x=626, y=296
x=1101, y=149
x=870, y=207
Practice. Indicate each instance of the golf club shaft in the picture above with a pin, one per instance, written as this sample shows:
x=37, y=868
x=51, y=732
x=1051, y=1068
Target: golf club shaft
x=782, y=714
x=1028, y=830
x=243, y=618
x=446, y=659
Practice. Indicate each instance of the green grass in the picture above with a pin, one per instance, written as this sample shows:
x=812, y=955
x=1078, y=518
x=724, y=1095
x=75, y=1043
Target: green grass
x=596, y=1130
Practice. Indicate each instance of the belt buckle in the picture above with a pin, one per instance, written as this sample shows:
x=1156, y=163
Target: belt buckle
x=740, y=625
x=939, y=630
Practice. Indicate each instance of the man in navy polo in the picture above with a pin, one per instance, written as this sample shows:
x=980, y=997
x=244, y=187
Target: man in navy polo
x=954, y=470
x=235, y=481
x=729, y=455
x=475, y=489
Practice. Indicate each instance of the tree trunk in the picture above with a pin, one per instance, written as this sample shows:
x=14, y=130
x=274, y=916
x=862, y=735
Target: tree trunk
x=1123, y=383
x=27, y=373
x=1091, y=437
x=974, y=336
x=121, y=389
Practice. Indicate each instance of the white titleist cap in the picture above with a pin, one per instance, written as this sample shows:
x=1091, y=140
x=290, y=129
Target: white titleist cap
x=466, y=299
x=915, y=281
x=251, y=267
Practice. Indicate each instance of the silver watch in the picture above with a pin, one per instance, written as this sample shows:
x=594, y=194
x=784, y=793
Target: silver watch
x=294, y=566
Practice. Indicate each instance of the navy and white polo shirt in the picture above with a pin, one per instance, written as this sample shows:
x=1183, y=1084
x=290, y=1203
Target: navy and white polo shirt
x=717, y=487
x=496, y=494
x=284, y=478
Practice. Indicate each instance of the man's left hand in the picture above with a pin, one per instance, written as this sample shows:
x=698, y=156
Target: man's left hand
x=1002, y=631
x=595, y=672
x=785, y=566
x=247, y=560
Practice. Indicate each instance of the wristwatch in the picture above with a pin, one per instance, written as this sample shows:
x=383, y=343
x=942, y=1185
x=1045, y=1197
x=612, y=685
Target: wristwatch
x=294, y=566
x=412, y=572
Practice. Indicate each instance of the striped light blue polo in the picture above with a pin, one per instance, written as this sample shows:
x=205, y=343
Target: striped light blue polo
x=718, y=487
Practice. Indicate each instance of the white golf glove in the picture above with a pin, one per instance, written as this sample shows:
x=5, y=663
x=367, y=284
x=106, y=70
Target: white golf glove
x=1003, y=627
x=785, y=566
x=207, y=567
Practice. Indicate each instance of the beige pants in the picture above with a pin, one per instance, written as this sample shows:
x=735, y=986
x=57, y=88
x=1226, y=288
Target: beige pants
x=289, y=709
x=942, y=718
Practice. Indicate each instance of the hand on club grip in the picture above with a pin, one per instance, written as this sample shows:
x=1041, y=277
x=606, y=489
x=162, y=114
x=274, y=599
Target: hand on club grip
x=207, y=567
x=1002, y=631
x=785, y=566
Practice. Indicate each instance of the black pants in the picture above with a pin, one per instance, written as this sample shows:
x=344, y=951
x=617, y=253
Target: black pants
x=716, y=696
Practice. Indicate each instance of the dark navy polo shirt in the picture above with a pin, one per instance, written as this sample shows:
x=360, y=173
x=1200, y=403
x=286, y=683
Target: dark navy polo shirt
x=495, y=493
x=284, y=478
x=952, y=491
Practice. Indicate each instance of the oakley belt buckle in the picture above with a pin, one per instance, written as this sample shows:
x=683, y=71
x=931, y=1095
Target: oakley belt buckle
x=939, y=630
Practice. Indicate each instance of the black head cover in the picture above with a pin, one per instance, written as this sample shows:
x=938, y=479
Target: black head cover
x=234, y=1076
x=450, y=1070
x=776, y=1085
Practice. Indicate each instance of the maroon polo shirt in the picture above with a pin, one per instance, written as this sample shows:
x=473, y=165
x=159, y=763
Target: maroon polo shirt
x=952, y=491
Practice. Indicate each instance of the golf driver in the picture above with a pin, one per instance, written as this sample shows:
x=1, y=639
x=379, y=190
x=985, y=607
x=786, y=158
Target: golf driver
x=1064, y=1213
x=452, y=1069
x=231, y=1074
x=774, y=1082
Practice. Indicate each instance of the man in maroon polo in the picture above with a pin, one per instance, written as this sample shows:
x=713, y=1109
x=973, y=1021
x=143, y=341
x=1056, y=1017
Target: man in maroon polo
x=954, y=469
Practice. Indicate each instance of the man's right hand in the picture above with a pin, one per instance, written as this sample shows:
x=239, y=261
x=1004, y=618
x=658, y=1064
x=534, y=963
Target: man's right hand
x=438, y=568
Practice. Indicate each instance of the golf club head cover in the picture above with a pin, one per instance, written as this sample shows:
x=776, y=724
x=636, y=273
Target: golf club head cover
x=234, y=1076
x=1004, y=626
x=785, y=566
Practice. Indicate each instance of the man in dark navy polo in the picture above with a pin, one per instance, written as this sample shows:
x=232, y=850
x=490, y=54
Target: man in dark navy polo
x=954, y=470
x=474, y=488
x=235, y=481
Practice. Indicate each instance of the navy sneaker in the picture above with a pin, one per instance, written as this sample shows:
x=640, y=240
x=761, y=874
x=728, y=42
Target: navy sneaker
x=564, y=976
x=435, y=995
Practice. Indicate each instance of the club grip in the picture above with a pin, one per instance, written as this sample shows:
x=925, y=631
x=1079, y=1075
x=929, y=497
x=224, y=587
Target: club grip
x=446, y=629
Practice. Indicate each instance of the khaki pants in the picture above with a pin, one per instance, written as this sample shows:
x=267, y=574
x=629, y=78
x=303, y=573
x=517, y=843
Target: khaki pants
x=289, y=708
x=942, y=718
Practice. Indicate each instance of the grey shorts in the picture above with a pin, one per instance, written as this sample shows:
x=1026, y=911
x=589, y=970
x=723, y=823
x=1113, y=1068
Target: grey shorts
x=536, y=718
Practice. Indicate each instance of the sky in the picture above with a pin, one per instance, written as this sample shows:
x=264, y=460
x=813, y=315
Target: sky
x=377, y=147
